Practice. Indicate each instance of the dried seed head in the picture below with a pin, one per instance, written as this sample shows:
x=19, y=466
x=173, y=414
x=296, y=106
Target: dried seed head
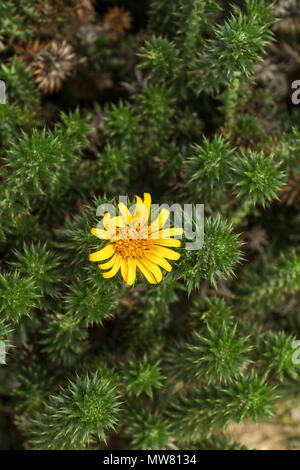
x=117, y=20
x=52, y=65
x=290, y=193
x=288, y=13
x=257, y=239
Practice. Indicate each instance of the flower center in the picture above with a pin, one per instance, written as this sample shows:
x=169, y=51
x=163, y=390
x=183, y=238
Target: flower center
x=134, y=240
x=132, y=246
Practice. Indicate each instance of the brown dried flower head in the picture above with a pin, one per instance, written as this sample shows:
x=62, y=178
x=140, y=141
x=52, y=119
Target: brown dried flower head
x=117, y=20
x=290, y=193
x=52, y=65
x=287, y=11
x=257, y=239
x=69, y=14
x=29, y=51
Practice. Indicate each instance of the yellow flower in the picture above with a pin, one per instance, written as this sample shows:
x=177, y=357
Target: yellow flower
x=136, y=242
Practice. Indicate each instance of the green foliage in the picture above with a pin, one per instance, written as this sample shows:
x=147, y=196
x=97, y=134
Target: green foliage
x=149, y=431
x=162, y=16
x=153, y=313
x=195, y=19
x=278, y=350
x=257, y=178
x=13, y=119
x=248, y=396
x=269, y=289
x=142, y=377
x=113, y=164
x=41, y=164
x=19, y=86
x=212, y=311
x=32, y=390
x=89, y=404
x=122, y=125
x=158, y=110
x=220, y=253
x=63, y=339
x=218, y=354
x=6, y=334
x=237, y=46
x=91, y=300
x=216, y=442
x=15, y=19
x=76, y=234
x=209, y=166
x=161, y=59
x=19, y=296
x=195, y=415
x=39, y=263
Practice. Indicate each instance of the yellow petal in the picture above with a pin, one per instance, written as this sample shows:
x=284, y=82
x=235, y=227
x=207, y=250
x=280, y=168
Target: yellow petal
x=145, y=271
x=155, y=258
x=124, y=269
x=167, y=233
x=168, y=242
x=106, y=219
x=140, y=213
x=116, y=222
x=160, y=221
x=109, y=264
x=166, y=252
x=103, y=254
x=114, y=269
x=154, y=269
x=127, y=217
x=110, y=224
x=139, y=202
x=142, y=209
x=131, y=271
x=103, y=234
x=147, y=202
